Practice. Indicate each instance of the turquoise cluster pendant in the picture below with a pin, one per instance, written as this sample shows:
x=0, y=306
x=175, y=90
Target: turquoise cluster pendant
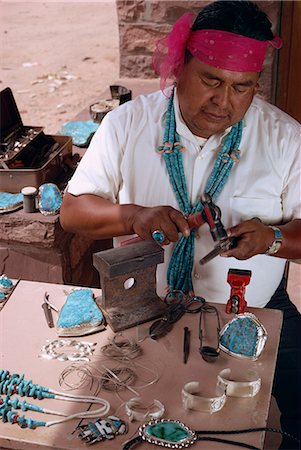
x=167, y=433
x=243, y=337
x=50, y=199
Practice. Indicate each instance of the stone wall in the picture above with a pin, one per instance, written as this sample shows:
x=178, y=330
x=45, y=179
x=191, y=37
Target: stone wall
x=35, y=247
x=143, y=22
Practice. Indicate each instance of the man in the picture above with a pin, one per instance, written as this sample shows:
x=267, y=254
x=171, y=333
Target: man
x=152, y=159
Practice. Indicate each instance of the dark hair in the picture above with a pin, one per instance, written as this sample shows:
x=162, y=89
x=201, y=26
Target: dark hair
x=239, y=16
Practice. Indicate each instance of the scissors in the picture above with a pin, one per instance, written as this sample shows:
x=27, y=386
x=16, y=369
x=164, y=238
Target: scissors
x=178, y=304
x=190, y=303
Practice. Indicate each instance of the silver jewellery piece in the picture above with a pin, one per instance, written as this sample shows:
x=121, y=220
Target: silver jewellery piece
x=52, y=350
x=210, y=405
x=158, y=236
x=136, y=410
x=167, y=433
x=6, y=284
x=275, y=246
x=243, y=337
x=101, y=429
x=248, y=388
x=6, y=287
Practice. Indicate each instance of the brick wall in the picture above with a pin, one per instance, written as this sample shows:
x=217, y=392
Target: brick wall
x=143, y=22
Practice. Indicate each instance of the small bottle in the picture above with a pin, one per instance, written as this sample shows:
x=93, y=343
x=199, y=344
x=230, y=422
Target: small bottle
x=29, y=199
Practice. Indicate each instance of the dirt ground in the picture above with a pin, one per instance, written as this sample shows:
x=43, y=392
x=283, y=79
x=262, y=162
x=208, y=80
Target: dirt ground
x=57, y=57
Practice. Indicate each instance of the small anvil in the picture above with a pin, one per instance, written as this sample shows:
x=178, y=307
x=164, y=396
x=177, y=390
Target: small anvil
x=128, y=283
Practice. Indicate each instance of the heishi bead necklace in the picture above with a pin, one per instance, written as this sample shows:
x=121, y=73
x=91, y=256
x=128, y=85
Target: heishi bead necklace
x=181, y=262
x=11, y=384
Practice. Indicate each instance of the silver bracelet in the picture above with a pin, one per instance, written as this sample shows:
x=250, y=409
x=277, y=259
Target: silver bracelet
x=193, y=401
x=136, y=410
x=248, y=388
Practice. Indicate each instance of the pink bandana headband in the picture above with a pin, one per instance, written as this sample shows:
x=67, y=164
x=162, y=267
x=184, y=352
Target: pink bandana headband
x=221, y=49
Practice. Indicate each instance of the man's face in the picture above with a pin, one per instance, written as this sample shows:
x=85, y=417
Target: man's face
x=213, y=99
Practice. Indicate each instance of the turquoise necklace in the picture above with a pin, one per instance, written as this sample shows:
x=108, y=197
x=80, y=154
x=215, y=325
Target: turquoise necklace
x=181, y=262
x=12, y=384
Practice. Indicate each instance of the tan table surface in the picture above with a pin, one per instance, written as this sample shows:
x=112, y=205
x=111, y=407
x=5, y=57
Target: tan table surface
x=23, y=331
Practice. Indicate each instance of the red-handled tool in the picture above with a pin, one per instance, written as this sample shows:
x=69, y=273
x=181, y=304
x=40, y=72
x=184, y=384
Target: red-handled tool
x=238, y=280
x=212, y=215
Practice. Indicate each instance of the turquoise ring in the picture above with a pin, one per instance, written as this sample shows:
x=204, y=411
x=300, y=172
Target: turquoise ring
x=158, y=236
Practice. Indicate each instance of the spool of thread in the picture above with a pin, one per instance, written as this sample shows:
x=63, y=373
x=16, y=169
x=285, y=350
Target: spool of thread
x=29, y=199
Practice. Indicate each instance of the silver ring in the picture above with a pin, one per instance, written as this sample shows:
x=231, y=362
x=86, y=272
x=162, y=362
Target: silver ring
x=158, y=236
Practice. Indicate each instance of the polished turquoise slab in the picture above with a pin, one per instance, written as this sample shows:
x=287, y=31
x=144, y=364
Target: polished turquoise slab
x=10, y=202
x=50, y=199
x=241, y=337
x=168, y=431
x=80, y=131
x=80, y=308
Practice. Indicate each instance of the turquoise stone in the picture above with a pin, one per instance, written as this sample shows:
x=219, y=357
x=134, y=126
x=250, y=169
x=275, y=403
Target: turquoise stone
x=5, y=283
x=167, y=431
x=50, y=199
x=80, y=131
x=241, y=337
x=158, y=236
x=10, y=202
x=80, y=314
x=79, y=308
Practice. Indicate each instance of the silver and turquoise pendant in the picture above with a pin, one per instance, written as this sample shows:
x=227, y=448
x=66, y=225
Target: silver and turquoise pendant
x=243, y=337
x=50, y=199
x=10, y=202
x=6, y=284
x=167, y=433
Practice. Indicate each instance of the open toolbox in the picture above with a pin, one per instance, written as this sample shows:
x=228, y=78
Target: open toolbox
x=28, y=157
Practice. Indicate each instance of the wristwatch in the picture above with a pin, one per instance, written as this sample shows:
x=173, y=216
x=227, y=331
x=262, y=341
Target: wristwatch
x=275, y=246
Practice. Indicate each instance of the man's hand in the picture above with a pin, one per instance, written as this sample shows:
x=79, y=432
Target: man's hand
x=164, y=218
x=253, y=237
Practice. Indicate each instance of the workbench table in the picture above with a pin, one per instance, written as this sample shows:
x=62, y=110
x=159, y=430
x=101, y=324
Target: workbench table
x=23, y=332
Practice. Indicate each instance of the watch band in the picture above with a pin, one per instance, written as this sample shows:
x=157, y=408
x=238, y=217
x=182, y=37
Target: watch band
x=275, y=246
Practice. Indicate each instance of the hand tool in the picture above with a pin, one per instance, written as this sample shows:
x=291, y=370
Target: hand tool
x=238, y=280
x=211, y=214
x=209, y=353
x=47, y=310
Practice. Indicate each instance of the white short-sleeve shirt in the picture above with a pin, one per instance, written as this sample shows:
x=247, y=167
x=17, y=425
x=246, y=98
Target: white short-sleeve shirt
x=122, y=165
